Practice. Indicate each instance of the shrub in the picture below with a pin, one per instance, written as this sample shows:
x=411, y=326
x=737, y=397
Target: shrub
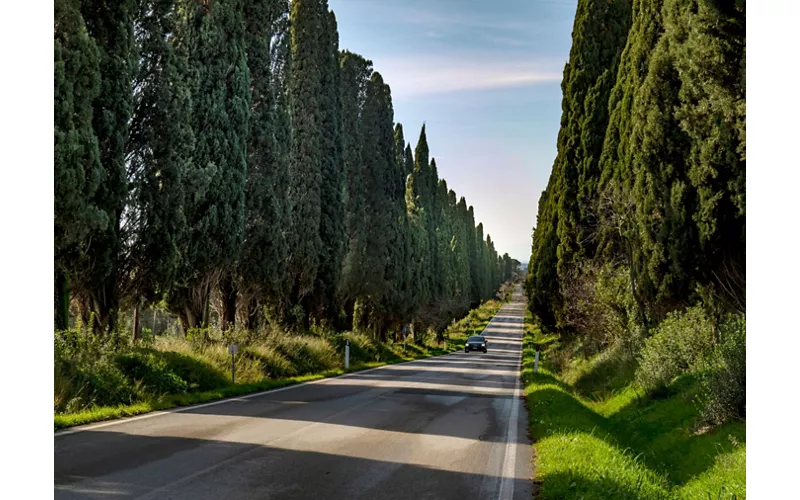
x=724, y=385
x=100, y=383
x=200, y=374
x=273, y=363
x=308, y=354
x=152, y=371
x=247, y=369
x=680, y=344
x=362, y=347
x=599, y=306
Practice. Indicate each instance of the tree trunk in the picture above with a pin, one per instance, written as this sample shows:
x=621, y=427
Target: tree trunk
x=61, y=301
x=228, y=291
x=206, y=306
x=137, y=325
x=253, y=315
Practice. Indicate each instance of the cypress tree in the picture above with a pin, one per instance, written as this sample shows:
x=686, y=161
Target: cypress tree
x=379, y=164
x=463, y=250
x=484, y=274
x=262, y=265
x=111, y=27
x=305, y=174
x=402, y=273
x=76, y=159
x=355, y=74
x=444, y=239
x=599, y=35
x=215, y=44
x=425, y=187
x=277, y=300
x=669, y=190
x=708, y=39
x=474, y=259
x=159, y=151
x=544, y=294
x=434, y=220
x=332, y=218
x=420, y=256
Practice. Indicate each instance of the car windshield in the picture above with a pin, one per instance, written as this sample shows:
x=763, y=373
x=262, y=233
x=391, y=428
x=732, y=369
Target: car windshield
x=476, y=339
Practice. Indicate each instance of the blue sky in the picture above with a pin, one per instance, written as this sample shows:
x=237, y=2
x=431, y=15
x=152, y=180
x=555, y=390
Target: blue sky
x=485, y=76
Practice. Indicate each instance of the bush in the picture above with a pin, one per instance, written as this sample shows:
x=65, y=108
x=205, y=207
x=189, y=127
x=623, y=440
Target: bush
x=247, y=369
x=83, y=385
x=362, y=347
x=152, y=371
x=308, y=354
x=599, y=306
x=200, y=374
x=273, y=363
x=725, y=382
x=680, y=344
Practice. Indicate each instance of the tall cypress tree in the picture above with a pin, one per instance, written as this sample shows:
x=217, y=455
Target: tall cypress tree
x=544, y=294
x=215, y=43
x=462, y=250
x=305, y=174
x=708, y=39
x=445, y=269
x=159, y=151
x=474, y=258
x=332, y=218
x=262, y=265
x=278, y=298
x=671, y=172
x=111, y=27
x=355, y=74
x=434, y=220
x=402, y=274
x=420, y=255
x=599, y=35
x=76, y=158
x=379, y=164
x=425, y=188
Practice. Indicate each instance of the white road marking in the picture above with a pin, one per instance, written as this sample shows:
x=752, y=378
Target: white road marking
x=509, y=461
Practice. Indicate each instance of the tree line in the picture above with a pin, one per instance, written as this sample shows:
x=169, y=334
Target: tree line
x=226, y=158
x=648, y=184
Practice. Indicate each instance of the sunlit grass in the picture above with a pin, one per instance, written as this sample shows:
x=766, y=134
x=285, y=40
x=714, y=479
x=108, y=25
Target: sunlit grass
x=599, y=441
x=265, y=366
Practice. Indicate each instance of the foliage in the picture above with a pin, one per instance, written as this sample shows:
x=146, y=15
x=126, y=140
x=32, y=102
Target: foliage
x=273, y=363
x=307, y=354
x=604, y=441
x=679, y=345
x=650, y=170
x=152, y=371
x=724, y=387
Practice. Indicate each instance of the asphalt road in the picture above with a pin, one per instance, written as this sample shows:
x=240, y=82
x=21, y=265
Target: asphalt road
x=450, y=427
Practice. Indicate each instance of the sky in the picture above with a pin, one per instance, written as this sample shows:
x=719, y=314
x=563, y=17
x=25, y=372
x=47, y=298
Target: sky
x=485, y=78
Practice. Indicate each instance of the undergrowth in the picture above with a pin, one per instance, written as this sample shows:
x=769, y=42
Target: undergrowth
x=100, y=378
x=598, y=434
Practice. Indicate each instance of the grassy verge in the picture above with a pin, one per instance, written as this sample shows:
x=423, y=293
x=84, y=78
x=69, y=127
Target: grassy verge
x=596, y=437
x=205, y=367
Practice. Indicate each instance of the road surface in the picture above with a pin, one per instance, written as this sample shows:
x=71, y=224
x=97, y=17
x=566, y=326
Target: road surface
x=450, y=427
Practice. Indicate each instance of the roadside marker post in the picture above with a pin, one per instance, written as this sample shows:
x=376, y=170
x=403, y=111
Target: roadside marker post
x=233, y=349
x=346, y=354
x=536, y=360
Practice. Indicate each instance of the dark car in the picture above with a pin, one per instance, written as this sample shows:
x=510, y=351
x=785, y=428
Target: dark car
x=476, y=343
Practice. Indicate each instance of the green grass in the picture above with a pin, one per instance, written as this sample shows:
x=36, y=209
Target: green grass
x=597, y=437
x=206, y=369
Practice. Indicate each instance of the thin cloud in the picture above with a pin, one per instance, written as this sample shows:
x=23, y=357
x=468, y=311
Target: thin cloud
x=434, y=19
x=434, y=75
